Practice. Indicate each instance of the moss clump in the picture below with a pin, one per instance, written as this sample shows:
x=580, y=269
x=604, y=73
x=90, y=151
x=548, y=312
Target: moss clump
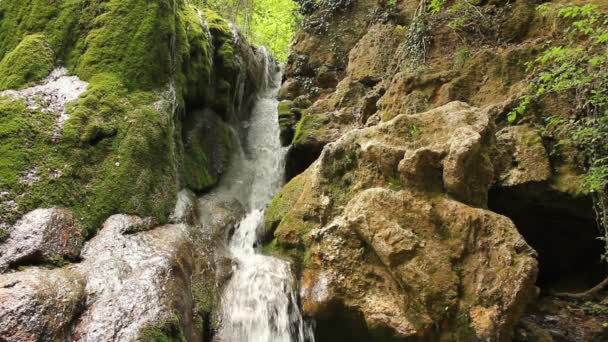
x=131, y=39
x=206, y=155
x=59, y=20
x=205, y=297
x=3, y=234
x=309, y=125
x=117, y=155
x=290, y=221
x=283, y=202
x=166, y=331
x=31, y=61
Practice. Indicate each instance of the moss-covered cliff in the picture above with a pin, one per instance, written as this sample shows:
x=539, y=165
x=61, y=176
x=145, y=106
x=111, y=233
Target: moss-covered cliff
x=161, y=75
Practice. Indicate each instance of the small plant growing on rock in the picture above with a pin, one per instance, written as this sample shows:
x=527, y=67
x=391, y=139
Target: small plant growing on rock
x=578, y=68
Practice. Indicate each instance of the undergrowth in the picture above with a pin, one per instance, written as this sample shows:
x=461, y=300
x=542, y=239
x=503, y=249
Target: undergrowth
x=577, y=68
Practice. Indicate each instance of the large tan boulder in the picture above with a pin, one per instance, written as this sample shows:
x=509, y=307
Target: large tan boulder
x=389, y=225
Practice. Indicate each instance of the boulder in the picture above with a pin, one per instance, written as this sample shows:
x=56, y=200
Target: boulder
x=389, y=229
x=42, y=236
x=39, y=305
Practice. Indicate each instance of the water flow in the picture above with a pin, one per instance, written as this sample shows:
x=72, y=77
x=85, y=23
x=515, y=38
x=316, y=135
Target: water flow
x=259, y=303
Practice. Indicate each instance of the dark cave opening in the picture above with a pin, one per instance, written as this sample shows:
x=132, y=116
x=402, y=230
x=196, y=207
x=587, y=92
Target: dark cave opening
x=563, y=231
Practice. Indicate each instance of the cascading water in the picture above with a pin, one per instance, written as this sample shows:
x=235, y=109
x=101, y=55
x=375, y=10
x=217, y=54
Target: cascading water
x=259, y=303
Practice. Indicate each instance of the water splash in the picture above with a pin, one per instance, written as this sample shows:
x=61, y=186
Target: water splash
x=259, y=304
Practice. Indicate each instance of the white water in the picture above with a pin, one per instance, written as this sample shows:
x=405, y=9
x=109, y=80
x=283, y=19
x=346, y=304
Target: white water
x=259, y=304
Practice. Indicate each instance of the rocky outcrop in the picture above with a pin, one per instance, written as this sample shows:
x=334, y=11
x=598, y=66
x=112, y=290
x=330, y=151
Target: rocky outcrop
x=108, y=142
x=388, y=225
x=389, y=66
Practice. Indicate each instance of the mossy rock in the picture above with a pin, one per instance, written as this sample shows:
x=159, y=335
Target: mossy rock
x=166, y=331
x=283, y=202
x=311, y=124
x=123, y=148
x=31, y=61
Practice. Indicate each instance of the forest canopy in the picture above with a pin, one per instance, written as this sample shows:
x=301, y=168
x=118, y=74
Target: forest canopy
x=265, y=22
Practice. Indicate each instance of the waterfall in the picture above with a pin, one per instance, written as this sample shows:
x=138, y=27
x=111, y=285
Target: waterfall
x=259, y=303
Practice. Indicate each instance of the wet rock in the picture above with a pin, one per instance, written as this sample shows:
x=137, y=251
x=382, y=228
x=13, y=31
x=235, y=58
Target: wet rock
x=185, y=208
x=135, y=281
x=42, y=236
x=39, y=305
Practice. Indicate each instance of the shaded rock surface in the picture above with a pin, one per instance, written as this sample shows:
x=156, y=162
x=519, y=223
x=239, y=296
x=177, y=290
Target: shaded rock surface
x=389, y=227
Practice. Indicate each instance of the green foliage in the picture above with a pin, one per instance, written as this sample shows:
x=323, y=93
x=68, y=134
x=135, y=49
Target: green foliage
x=31, y=61
x=578, y=67
x=435, y=6
x=460, y=57
x=271, y=23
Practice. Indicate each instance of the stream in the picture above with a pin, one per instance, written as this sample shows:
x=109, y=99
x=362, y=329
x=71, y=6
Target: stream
x=260, y=302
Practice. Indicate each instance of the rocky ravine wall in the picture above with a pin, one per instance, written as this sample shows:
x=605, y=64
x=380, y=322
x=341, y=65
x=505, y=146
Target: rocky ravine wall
x=110, y=108
x=400, y=153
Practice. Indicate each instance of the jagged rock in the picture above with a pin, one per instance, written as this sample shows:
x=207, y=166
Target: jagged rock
x=390, y=222
x=524, y=158
x=42, y=236
x=39, y=305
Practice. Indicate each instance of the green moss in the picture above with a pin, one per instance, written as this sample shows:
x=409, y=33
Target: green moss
x=309, y=125
x=205, y=154
x=285, y=108
x=283, y=202
x=118, y=153
x=131, y=39
x=57, y=19
x=166, y=331
x=3, y=235
x=31, y=61
x=205, y=297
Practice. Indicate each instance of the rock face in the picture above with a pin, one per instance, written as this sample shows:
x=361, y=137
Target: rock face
x=392, y=225
x=122, y=123
x=39, y=304
x=380, y=124
x=42, y=236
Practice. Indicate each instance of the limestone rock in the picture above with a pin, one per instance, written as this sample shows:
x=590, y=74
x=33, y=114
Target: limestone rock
x=389, y=217
x=43, y=235
x=523, y=157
